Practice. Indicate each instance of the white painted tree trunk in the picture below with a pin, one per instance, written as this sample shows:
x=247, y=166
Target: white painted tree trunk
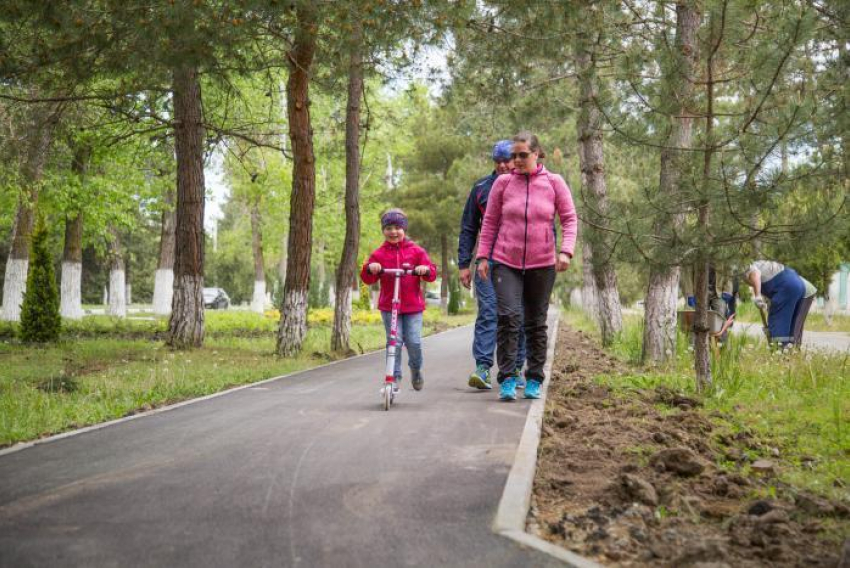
x=163, y=291
x=293, y=323
x=258, y=300
x=14, y=287
x=105, y=296
x=71, y=303
x=128, y=295
x=117, y=289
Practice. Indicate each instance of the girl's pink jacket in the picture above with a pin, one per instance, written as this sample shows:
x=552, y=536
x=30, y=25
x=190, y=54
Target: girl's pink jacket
x=409, y=292
x=518, y=224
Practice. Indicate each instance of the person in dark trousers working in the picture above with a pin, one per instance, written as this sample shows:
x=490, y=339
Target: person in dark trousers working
x=790, y=297
x=484, y=341
x=517, y=229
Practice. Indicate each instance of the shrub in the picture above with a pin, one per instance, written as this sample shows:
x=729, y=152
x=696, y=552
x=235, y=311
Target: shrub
x=40, y=319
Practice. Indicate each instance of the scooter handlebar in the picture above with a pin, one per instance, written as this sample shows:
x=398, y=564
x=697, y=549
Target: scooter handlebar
x=402, y=272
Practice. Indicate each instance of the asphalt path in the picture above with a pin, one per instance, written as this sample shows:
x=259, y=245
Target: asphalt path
x=307, y=470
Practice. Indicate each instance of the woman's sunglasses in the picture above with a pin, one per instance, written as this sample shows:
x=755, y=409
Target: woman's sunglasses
x=520, y=155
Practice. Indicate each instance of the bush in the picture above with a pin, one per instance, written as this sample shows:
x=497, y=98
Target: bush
x=40, y=319
x=364, y=302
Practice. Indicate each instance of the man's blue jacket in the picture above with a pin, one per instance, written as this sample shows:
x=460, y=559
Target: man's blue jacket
x=473, y=216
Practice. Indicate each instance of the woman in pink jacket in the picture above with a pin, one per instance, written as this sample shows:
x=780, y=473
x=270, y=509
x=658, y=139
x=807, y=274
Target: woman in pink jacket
x=517, y=235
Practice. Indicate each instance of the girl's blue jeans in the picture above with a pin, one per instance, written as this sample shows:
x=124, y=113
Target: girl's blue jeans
x=410, y=336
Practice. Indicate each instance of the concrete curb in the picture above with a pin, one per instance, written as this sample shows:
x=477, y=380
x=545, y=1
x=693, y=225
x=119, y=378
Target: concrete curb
x=56, y=437
x=516, y=498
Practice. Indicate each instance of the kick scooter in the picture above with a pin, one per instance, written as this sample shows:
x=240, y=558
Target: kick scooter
x=388, y=391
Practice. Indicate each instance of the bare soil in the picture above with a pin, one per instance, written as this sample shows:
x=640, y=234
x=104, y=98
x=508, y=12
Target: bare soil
x=634, y=478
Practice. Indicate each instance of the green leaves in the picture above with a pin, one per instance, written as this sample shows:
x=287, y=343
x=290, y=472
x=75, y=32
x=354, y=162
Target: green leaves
x=40, y=320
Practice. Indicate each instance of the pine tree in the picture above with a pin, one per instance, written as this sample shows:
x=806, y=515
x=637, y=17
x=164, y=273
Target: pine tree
x=40, y=320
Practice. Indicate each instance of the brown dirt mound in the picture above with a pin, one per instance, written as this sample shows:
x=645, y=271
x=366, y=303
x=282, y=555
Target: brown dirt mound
x=631, y=479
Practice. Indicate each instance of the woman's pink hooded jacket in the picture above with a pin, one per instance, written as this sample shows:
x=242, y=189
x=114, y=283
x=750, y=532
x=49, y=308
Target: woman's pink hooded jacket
x=517, y=227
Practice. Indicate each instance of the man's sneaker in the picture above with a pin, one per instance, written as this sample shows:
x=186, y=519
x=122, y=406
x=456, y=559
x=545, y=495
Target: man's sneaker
x=507, y=392
x=532, y=389
x=520, y=381
x=480, y=379
x=417, y=379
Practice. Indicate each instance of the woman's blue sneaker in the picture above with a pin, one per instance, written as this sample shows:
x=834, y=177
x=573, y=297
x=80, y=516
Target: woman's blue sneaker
x=480, y=379
x=532, y=389
x=507, y=392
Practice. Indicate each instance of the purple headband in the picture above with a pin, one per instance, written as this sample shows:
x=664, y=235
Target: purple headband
x=396, y=218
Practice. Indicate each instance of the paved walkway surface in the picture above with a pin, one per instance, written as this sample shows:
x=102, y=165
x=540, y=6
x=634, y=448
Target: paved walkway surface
x=303, y=471
x=824, y=340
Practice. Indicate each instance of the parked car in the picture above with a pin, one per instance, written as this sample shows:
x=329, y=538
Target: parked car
x=216, y=299
x=432, y=298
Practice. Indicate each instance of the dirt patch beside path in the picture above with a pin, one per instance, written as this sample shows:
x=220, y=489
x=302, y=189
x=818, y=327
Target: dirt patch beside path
x=631, y=478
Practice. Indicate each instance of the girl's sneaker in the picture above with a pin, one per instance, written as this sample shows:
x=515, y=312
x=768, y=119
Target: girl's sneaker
x=532, y=389
x=520, y=382
x=480, y=379
x=507, y=392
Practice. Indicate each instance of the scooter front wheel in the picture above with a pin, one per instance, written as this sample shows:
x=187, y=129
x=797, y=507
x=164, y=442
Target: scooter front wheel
x=388, y=396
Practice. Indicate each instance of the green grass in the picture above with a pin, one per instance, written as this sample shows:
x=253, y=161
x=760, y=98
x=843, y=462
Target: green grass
x=83, y=381
x=798, y=401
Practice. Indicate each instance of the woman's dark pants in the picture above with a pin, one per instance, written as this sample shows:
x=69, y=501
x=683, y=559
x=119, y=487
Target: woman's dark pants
x=522, y=294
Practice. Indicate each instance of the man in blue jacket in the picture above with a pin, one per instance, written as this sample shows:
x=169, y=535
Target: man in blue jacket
x=484, y=344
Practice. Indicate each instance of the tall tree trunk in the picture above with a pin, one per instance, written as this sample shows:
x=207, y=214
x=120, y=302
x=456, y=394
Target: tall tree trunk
x=70, y=300
x=281, y=268
x=117, y=277
x=293, y=314
x=346, y=273
x=702, y=354
x=591, y=158
x=659, y=335
x=70, y=297
x=38, y=138
x=258, y=300
x=588, y=284
x=128, y=293
x=163, y=288
x=444, y=276
x=186, y=326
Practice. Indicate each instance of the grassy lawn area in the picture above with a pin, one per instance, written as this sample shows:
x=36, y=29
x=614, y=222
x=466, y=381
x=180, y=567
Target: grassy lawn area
x=107, y=368
x=796, y=403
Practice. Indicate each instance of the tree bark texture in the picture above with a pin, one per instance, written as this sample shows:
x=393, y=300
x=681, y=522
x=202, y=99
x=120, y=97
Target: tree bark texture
x=659, y=339
x=186, y=326
x=117, y=277
x=258, y=300
x=702, y=354
x=588, y=283
x=163, y=289
x=36, y=143
x=293, y=314
x=346, y=273
x=70, y=298
x=595, y=192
